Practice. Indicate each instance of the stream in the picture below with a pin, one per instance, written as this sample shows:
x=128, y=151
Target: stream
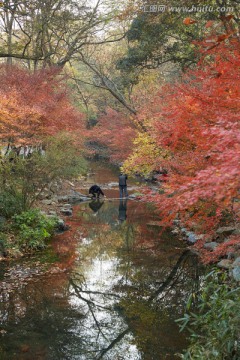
x=113, y=287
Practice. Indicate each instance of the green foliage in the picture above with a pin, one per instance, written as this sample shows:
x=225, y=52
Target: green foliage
x=23, y=179
x=214, y=325
x=10, y=203
x=159, y=39
x=62, y=158
x=33, y=229
x=156, y=38
x=3, y=243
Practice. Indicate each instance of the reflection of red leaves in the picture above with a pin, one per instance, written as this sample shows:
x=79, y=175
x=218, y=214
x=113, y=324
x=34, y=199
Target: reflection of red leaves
x=189, y=21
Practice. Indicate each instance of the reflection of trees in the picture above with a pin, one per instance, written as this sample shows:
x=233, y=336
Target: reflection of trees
x=113, y=343
x=102, y=323
x=115, y=313
x=172, y=278
x=77, y=318
x=152, y=286
x=93, y=306
x=45, y=325
x=144, y=320
x=107, y=229
x=154, y=326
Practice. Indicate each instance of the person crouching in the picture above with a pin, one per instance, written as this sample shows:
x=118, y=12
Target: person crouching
x=95, y=191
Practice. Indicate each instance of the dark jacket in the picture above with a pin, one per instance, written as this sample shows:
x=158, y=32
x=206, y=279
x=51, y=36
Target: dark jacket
x=95, y=189
x=123, y=180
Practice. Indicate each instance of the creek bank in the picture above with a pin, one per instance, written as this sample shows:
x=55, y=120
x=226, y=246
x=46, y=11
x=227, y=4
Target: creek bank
x=229, y=262
x=21, y=268
x=57, y=201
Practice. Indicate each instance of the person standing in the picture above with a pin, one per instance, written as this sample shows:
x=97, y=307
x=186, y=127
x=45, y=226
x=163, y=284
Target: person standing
x=123, y=185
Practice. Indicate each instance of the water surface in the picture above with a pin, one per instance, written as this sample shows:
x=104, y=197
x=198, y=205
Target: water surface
x=120, y=283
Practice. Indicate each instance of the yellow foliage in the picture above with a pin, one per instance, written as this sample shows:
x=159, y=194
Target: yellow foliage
x=145, y=157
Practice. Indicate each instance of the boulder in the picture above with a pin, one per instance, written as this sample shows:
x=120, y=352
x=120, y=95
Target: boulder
x=132, y=196
x=113, y=184
x=231, y=255
x=61, y=226
x=226, y=230
x=47, y=202
x=68, y=206
x=210, y=246
x=176, y=222
x=66, y=211
x=44, y=195
x=236, y=232
x=225, y=264
x=62, y=198
x=236, y=273
x=75, y=199
x=191, y=237
x=75, y=196
x=52, y=213
x=236, y=262
x=54, y=198
x=54, y=187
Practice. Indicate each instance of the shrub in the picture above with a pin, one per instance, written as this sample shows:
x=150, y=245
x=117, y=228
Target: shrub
x=23, y=179
x=3, y=243
x=215, y=323
x=10, y=203
x=33, y=229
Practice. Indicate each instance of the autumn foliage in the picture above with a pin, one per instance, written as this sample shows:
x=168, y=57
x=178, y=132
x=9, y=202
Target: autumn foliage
x=116, y=132
x=195, y=123
x=34, y=105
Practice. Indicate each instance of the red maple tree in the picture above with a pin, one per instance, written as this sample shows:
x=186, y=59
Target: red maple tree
x=116, y=132
x=196, y=121
x=34, y=105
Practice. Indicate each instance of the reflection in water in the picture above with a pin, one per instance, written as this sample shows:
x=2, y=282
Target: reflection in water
x=119, y=301
x=122, y=211
x=95, y=205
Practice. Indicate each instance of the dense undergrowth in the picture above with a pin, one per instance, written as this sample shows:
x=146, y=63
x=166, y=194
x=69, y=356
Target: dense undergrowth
x=213, y=319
